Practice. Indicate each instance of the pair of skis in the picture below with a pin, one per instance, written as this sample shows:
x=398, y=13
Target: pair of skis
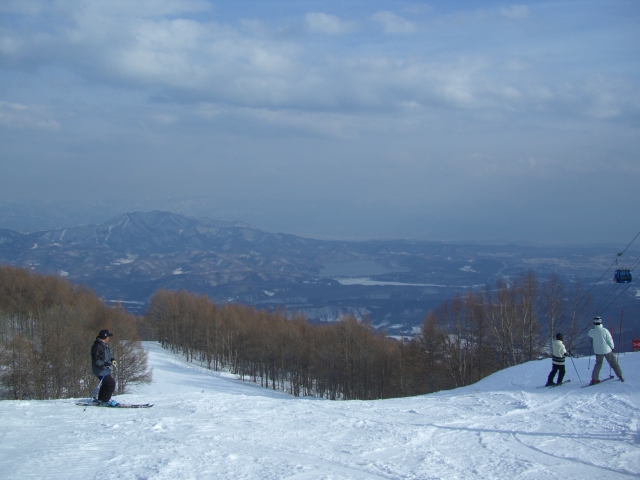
x=555, y=384
x=610, y=377
x=96, y=403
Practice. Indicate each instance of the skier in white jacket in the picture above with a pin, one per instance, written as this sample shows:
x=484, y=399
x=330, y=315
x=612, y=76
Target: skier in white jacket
x=603, y=348
x=558, y=351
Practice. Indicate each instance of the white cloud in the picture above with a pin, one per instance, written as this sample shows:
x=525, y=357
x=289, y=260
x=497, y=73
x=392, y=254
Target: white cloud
x=517, y=12
x=608, y=97
x=11, y=46
x=17, y=115
x=190, y=60
x=326, y=24
x=255, y=27
x=253, y=65
x=394, y=24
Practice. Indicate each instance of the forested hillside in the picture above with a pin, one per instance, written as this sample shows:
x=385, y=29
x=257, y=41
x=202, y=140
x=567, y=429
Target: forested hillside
x=47, y=326
x=459, y=343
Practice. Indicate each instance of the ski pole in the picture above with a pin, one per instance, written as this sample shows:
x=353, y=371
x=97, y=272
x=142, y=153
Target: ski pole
x=590, y=349
x=96, y=389
x=612, y=337
x=115, y=373
x=576, y=369
x=619, y=334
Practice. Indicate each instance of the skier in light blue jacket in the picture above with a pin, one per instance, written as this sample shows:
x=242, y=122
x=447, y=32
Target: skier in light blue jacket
x=603, y=348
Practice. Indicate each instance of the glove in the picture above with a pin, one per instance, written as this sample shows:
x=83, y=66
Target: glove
x=113, y=362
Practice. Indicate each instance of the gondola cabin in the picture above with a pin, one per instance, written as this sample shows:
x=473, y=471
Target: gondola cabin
x=622, y=275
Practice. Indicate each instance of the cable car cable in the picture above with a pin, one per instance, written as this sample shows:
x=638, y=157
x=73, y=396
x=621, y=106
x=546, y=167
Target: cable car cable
x=613, y=301
x=608, y=295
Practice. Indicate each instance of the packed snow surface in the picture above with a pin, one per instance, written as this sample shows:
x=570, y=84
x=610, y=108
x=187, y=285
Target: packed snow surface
x=206, y=424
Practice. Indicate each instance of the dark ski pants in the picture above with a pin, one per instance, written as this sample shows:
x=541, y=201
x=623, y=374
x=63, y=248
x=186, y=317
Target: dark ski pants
x=107, y=388
x=556, y=368
x=613, y=363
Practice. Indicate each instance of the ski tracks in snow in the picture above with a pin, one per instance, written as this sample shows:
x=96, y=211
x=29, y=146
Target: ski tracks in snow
x=207, y=425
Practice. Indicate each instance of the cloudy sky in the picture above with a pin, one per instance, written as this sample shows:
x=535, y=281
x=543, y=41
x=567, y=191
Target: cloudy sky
x=362, y=119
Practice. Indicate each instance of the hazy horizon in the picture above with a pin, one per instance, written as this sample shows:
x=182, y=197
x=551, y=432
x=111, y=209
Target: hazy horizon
x=47, y=217
x=513, y=121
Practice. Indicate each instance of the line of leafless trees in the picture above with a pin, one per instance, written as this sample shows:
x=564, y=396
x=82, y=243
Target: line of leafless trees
x=345, y=360
x=460, y=342
x=47, y=327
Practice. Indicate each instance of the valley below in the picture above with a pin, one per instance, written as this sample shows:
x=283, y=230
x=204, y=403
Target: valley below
x=393, y=283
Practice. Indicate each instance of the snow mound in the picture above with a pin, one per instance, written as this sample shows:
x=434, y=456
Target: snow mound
x=210, y=425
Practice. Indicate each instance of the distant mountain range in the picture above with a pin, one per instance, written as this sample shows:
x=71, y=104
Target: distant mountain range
x=395, y=282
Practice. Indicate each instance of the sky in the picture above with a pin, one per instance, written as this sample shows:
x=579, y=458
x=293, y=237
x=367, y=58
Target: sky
x=206, y=424
x=463, y=121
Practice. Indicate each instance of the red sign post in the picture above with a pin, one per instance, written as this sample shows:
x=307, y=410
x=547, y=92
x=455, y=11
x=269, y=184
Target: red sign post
x=636, y=345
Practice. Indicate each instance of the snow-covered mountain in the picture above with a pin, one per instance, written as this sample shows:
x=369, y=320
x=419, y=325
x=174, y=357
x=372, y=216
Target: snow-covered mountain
x=210, y=425
x=165, y=232
x=395, y=282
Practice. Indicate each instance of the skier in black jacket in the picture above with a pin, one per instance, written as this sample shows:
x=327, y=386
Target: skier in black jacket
x=101, y=363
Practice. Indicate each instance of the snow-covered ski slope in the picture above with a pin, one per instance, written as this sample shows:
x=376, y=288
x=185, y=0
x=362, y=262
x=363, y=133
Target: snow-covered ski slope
x=209, y=425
